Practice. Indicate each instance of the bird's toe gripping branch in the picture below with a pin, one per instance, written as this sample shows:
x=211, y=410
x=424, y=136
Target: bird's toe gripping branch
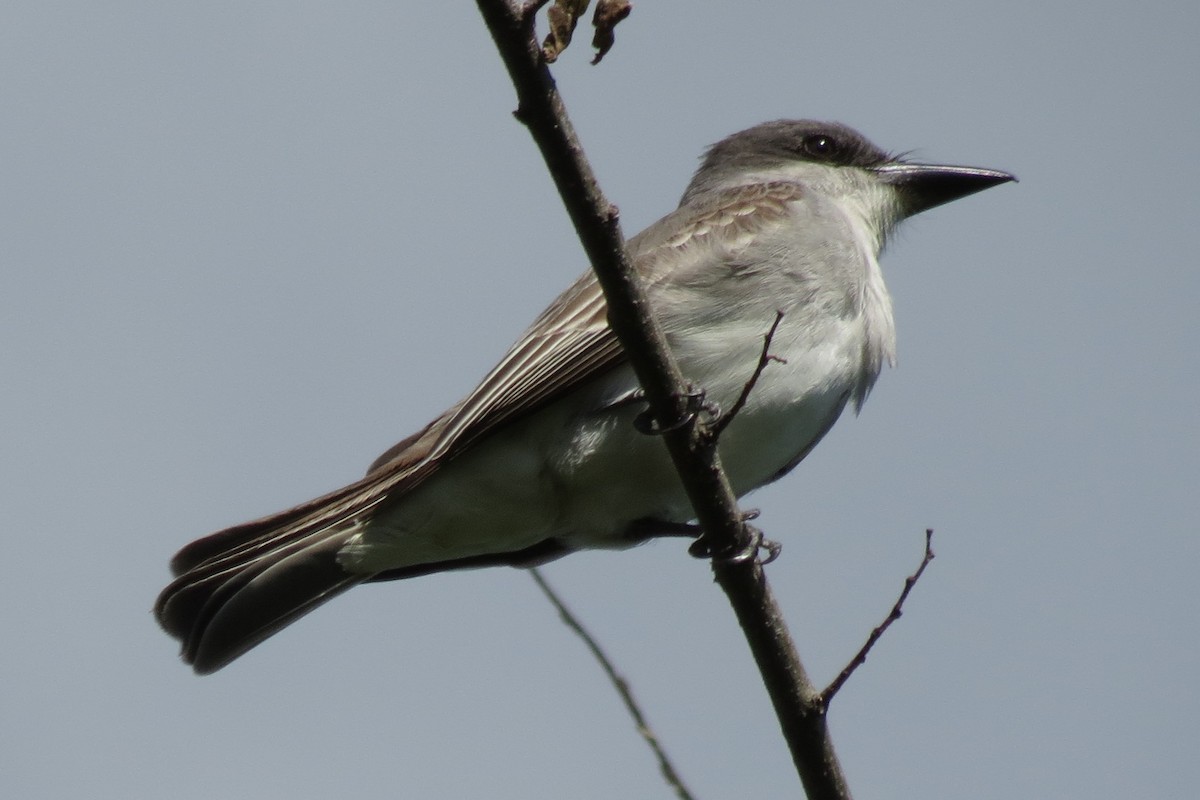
x=646, y=423
x=737, y=555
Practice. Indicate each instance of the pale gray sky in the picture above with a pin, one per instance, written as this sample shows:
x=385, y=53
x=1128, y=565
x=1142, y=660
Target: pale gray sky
x=246, y=247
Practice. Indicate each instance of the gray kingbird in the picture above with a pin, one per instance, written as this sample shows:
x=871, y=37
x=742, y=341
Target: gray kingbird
x=543, y=457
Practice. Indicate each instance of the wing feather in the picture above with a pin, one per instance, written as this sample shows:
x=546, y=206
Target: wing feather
x=571, y=342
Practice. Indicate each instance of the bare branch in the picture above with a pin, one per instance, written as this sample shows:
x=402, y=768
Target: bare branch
x=562, y=18
x=631, y=705
x=608, y=14
x=860, y=657
x=796, y=701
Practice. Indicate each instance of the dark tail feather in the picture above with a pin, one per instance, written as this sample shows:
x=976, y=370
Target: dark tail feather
x=249, y=583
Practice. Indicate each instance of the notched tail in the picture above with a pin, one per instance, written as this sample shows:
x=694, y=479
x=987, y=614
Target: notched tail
x=240, y=586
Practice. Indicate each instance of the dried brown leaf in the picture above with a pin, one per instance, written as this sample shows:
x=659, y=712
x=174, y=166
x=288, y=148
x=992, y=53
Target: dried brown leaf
x=608, y=14
x=562, y=17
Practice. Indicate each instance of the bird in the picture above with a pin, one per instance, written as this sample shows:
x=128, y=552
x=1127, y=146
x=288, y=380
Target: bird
x=782, y=224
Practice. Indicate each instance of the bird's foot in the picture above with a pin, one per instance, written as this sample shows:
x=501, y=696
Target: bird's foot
x=701, y=548
x=695, y=403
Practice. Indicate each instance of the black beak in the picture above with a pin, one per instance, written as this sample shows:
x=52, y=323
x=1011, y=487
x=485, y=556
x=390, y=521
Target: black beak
x=924, y=186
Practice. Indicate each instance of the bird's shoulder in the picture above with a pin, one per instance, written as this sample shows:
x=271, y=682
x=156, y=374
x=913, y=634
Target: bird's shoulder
x=726, y=214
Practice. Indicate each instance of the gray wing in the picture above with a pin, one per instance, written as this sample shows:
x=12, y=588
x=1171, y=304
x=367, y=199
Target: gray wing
x=567, y=345
x=571, y=343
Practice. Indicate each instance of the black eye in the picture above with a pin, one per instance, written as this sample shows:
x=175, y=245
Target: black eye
x=820, y=146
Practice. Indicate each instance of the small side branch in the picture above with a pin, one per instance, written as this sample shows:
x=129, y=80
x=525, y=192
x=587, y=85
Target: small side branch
x=670, y=775
x=860, y=657
x=764, y=358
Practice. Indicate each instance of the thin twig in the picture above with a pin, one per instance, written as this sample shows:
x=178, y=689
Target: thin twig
x=860, y=657
x=631, y=705
x=764, y=358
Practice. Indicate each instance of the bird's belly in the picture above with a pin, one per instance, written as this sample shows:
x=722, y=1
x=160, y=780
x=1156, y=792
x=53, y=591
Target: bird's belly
x=766, y=442
x=613, y=475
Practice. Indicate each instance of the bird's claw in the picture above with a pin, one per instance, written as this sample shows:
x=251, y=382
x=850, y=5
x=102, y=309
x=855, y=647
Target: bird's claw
x=647, y=424
x=701, y=549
